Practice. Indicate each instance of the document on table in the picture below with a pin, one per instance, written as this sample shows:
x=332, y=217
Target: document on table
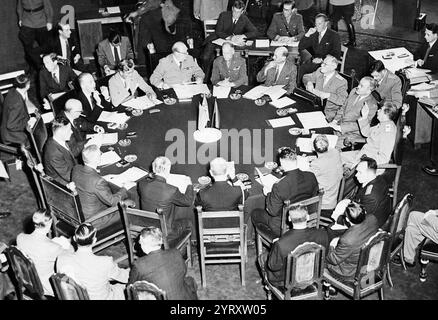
x=283, y=102
x=274, y=92
x=187, y=91
x=55, y=96
x=3, y=172
x=142, y=103
x=288, y=43
x=267, y=181
x=306, y=144
x=180, y=181
x=113, y=10
x=221, y=41
x=48, y=117
x=115, y=117
x=128, y=178
x=394, y=59
x=221, y=92
x=255, y=93
x=311, y=120
x=416, y=72
x=281, y=122
x=422, y=87
x=108, y=139
x=109, y=157
x=262, y=43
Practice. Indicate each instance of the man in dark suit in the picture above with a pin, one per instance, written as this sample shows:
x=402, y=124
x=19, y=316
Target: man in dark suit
x=295, y=185
x=164, y=268
x=94, y=192
x=287, y=24
x=321, y=41
x=280, y=71
x=54, y=78
x=156, y=193
x=343, y=253
x=229, y=70
x=113, y=50
x=427, y=55
x=388, y=85
x=276, y=262
x=232, y=25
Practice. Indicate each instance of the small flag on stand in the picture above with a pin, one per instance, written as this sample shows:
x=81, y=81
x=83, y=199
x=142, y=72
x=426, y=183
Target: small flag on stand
x=203, y=115
x=216, y=119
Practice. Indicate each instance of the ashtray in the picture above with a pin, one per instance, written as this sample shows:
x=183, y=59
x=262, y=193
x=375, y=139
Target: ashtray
x=242, y=176
x=137, y=112
x=124, y=142
x=123, y=126
x=286, y=111
x=169, y=101
x=235, y=96
x=204, y=180
x=295, y=131
x=260, y=102
x=271, y=165
x=130, y=157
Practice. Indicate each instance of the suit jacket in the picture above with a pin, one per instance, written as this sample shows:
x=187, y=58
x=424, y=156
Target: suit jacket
x=118, y=91
x=280, y=27
x=14, y=119
x=342, y=260
x=390, y=89
x=225, y=27
x=55, y=46
x=79, y=127
x=296, y=185
x=167, y=270
x=43, y=252
x=375, y=198
x=349, y=113
x=92, y=113
x=330, y=44
x=337, y=86
x=220, y=196
x=432, y=59
x=287, y=77
x=48, y=84
x=156, y=193
x=94, y=192
x=328, y=172
x=277, y=259
x=94, y=273
x=105, y=53
x=236, y=72
x=58, y=161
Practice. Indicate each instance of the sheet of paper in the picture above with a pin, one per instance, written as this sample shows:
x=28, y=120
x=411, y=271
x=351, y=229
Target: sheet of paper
x=113, y=10
x=48, y=117
x=115, y=117
x=55, y=96
x=275, y=92
x=108, y=139
x=262, y=43
x=267, y=181
x=230, y=167
x=127, y=178
x=255, y=92
x=311, y=120
x=188, y=91
x=288, y=43
x=142, y=103
x=3, y=172
x=283, y=102
x=422, y=87
x=221, y=92
x=179, y=180
x=109, y=157
x=281, y=122
x=338, y=227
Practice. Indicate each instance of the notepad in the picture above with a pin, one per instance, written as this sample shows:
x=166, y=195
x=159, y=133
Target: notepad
x=311, y=120
x=108, y=139
x=221, y=92
x=142, y=103
x=280, y=122
x=109, y=157
x=115, y=117
x=283, y=102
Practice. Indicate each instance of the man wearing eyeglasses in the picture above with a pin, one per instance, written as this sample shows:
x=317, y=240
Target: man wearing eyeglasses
x=286, y=25
x=177, y=68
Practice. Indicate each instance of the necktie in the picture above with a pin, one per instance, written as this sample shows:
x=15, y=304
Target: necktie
x=116, y=55
x=92, y=102
x=67, y=50
x=426, y=55
x=228, y=64
x=325, y=81
x=277, y=73
x=55, y=77
x=319, y=37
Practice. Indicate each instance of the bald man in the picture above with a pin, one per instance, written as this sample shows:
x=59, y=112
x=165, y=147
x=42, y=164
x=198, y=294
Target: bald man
x=229, y=70
x=280, y=71
x=177, y=68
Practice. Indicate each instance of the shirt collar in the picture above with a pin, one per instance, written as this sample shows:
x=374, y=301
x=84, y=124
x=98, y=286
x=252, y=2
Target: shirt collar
x=323, y=32
x=432, y=43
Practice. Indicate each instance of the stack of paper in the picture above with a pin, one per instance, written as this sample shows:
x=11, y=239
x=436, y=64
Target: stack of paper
x=288, y=43
x=274, y=92
x=127, y=178
x=283, y=102
x=311, y=120
x=142, y=103
x=422, y=87
x=221, y=92
x=109, y=157
x=48, y=117
x=179, y=180
x=115, y=117
x=267, y=181
x=306, y=144
x=187, y=91
x=281, y=122
x=108, y=139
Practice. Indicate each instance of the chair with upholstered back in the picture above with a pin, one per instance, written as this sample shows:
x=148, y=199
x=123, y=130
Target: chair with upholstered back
x=65, y=288
x=222, y=239
x=144, y=290
x=37, y=137
x=303, y=277
x=135, y=220
x=370, y=271
x=27, y=282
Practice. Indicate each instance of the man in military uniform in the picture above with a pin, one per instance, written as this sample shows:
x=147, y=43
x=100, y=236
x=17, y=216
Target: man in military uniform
x=35, y=20
x=388, y=85
x=177, y=68
x=229, y=70
x=346, y=117
x=381, y=138
x=287, y=24
x=328, y=85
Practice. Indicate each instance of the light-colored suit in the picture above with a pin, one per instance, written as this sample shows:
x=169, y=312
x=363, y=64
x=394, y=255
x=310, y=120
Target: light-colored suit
x=287, y=76
x=94, y=273
x=105, y=53
x=119, y=91
x=43, y=252
x=390, y=89
x=169, y=71
x=328, y=171
x=337, y=87
x=209, y=9
x=236, y=72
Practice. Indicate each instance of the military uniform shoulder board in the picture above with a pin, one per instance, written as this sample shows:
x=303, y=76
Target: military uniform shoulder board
x=369, y=189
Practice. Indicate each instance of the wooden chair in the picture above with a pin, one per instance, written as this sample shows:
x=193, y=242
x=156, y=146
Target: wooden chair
x=405, y=83
x=135, y=220
x=264, y=236
x=6, y=80
x=37, y=137
x=144, y=290
x=303, y=278
x=428, y=252
x=397, y=225
x=344, y=51
x=209, y=27
x=219, y=244
x=33, y=174
x=65, y=288
x=90, y=34
x=28, y=283
x=66, y=210
x=370, y=271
